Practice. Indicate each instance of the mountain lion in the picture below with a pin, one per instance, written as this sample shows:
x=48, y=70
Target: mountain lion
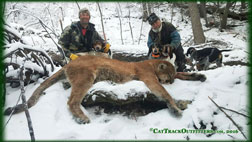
x=86, y=70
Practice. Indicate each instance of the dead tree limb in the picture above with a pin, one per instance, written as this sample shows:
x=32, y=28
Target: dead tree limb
x=77, y=4
x=53, y=27
x=140, y=32
x=102, y=21
x=61, y=25
x=12, y=36
x=24, y=103
x=172, y=7
x=238, y=127
x=59, y=48
x=131, y=27
x=119, y=16
x=27, y=114
x=235, y=112
x=62, y=19
x=27, y=13
x=28, y=50
x=62, y=13
x=188, y=40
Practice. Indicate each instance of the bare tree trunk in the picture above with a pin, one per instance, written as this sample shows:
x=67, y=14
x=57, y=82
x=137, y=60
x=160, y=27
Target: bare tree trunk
x=62, y=19
x=224, y=16
x=119, y=16
x=145, y=13
x=77, y=4
x=158, y=6
x=182, y=12
x=233, y=4
x=131, y=28
x=62, y=13
x=203, y=11
x=49, y=13
x=103, y=31
x=218, y=4
x=172, y=12
x=61, y=25
x=140, y=33
x=149, y=8
x=198, y=34
x=243, y=4
x=120, y=9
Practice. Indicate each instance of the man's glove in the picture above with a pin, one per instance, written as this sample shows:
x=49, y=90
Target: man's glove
x=73, y=56
x=106, y=48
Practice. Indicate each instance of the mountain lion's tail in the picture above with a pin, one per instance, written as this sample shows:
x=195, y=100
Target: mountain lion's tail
x=37, y=93
x=190, y=76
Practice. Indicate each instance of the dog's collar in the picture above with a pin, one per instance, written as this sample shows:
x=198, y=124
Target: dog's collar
x=155, y=55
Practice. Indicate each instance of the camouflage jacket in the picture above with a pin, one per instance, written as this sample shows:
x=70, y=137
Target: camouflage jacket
x=73, y=41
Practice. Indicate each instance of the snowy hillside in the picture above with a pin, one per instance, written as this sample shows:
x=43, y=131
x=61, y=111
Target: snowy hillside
x=52, y=120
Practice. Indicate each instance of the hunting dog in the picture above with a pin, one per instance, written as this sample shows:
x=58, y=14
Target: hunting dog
x=205, y=57
x=86, y=70
x=162, y=52
x=98, y=49
x=99, y=46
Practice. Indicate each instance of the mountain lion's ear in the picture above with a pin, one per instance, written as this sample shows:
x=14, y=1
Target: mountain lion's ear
x=162, y=66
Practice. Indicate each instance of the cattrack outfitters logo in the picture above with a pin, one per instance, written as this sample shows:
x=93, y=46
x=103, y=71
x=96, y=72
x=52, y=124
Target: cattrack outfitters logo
x=184, y=130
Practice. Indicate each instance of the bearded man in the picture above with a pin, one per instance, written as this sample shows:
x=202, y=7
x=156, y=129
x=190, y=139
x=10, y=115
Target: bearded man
x=79, y=36
x=164, y=33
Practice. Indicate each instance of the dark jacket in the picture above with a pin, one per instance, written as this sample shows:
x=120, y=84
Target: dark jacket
x=73, y=41
x=169, y=35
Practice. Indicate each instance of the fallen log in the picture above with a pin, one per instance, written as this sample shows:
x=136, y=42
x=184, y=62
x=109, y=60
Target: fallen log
x=140, y=103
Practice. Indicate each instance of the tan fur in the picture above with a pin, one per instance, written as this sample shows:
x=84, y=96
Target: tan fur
x=101, y=54
x=83, y=72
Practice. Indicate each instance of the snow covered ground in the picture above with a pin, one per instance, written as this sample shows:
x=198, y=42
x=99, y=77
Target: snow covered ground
x=227, y=85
